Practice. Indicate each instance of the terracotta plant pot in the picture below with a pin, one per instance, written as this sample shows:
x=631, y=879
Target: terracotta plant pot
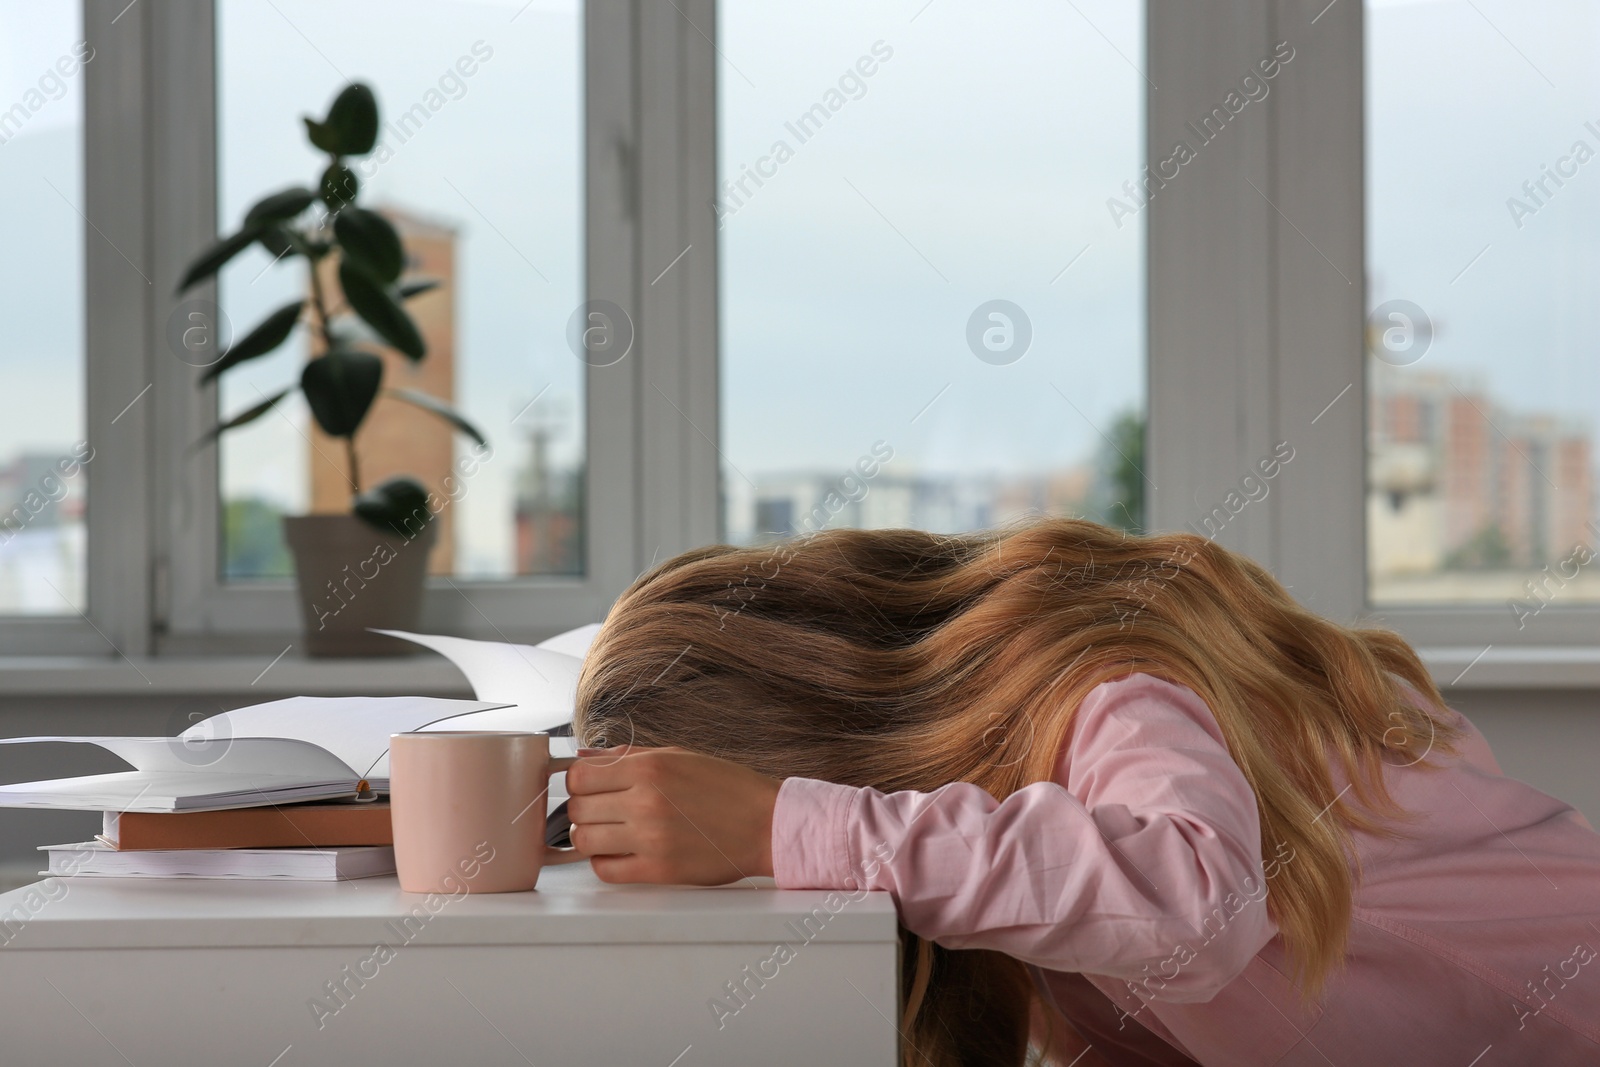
x=351, y=575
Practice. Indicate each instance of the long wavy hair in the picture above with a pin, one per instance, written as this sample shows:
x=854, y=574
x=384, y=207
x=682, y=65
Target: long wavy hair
x=905, y=660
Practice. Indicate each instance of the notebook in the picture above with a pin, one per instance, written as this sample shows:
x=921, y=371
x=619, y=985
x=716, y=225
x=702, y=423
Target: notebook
x=96, y=859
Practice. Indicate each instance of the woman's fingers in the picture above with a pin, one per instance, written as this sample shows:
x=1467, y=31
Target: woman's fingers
x=614, y=806
x=620, y=869
x=603, y=839
x=603, y=773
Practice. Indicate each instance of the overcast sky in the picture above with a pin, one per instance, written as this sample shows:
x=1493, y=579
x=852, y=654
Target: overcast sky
x=974, y=166
x=1464, y=106
x=41, y=272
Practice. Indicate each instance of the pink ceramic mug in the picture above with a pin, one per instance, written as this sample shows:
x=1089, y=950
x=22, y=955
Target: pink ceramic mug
x=469, y=810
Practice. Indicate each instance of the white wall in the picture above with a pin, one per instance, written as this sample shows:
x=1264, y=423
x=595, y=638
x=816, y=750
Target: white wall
x=1549, y=738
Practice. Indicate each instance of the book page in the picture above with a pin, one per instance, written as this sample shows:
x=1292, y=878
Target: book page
x=167, y=791
x=354, y=729
x=277, y=756
x=177, y=773
x=573, y=642
x=541, y=683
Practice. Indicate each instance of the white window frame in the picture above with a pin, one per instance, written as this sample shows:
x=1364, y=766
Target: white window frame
x=115, y=235
x=1257, y=309
x=1256, y=261
x=151, y=117
x=1255, y=288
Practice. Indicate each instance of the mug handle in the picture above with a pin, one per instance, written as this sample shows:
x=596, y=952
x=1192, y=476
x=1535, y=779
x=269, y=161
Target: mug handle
x=552, y=855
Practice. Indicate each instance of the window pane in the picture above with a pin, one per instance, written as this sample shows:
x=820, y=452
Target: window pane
x=932, y=270
x=478, y=165
x=42, y=449
x=1484, y=247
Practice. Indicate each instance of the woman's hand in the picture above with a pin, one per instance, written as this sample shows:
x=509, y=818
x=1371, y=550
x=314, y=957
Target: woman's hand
x=669, y=816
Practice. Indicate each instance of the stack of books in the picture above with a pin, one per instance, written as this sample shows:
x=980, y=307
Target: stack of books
x=308, y=842
x=295, y=788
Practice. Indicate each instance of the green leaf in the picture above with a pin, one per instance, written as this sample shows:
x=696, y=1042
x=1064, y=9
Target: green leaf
x=379, y=310
x=438, y=407
x=339, y=186
x=368, y=237
x=278, y=240
x=268, y=335
x=268, y=213
x=245, y=416
x=280, y=206
x=398, y=504
x=340, y=388
x=212, y=259
x=320, y=136
x=418, y=286
x=351, y=128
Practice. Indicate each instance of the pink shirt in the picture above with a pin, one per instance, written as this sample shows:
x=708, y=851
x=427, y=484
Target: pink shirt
x=1134, y=883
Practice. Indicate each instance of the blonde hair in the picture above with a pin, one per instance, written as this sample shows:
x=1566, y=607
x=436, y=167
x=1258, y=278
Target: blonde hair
x=903, y=660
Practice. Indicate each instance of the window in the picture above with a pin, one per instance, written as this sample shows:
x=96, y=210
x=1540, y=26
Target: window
x=42, y=442
x=1483, y=388
x=479, y=165
x=932, y=263
x=886, y=266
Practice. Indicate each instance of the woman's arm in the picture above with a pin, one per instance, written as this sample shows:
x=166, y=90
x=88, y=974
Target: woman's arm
x=1140, y=861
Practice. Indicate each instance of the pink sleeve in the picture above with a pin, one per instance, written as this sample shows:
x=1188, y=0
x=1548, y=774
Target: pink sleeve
x=1147, y=840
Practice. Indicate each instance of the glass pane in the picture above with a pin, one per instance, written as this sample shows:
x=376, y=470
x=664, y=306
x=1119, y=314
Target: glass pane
x=1484, y=257
x=932, y=264
x=42, y=448
x=479, y=166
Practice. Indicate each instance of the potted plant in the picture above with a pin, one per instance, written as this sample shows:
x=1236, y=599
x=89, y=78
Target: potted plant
x=366, y=568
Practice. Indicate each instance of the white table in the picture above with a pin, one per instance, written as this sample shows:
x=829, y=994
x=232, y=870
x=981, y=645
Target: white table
x=171, y=973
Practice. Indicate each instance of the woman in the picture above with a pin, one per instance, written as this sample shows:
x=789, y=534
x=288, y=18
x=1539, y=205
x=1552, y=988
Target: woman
x=1208, y=825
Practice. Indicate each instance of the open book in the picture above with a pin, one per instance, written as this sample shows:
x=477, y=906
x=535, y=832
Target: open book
x=301, y=748
x=320, y=748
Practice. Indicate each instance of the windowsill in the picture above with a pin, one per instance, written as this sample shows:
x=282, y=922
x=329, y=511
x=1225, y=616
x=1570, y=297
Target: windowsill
x=1466, y=667
x=1549, y=667
x=177, y=675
